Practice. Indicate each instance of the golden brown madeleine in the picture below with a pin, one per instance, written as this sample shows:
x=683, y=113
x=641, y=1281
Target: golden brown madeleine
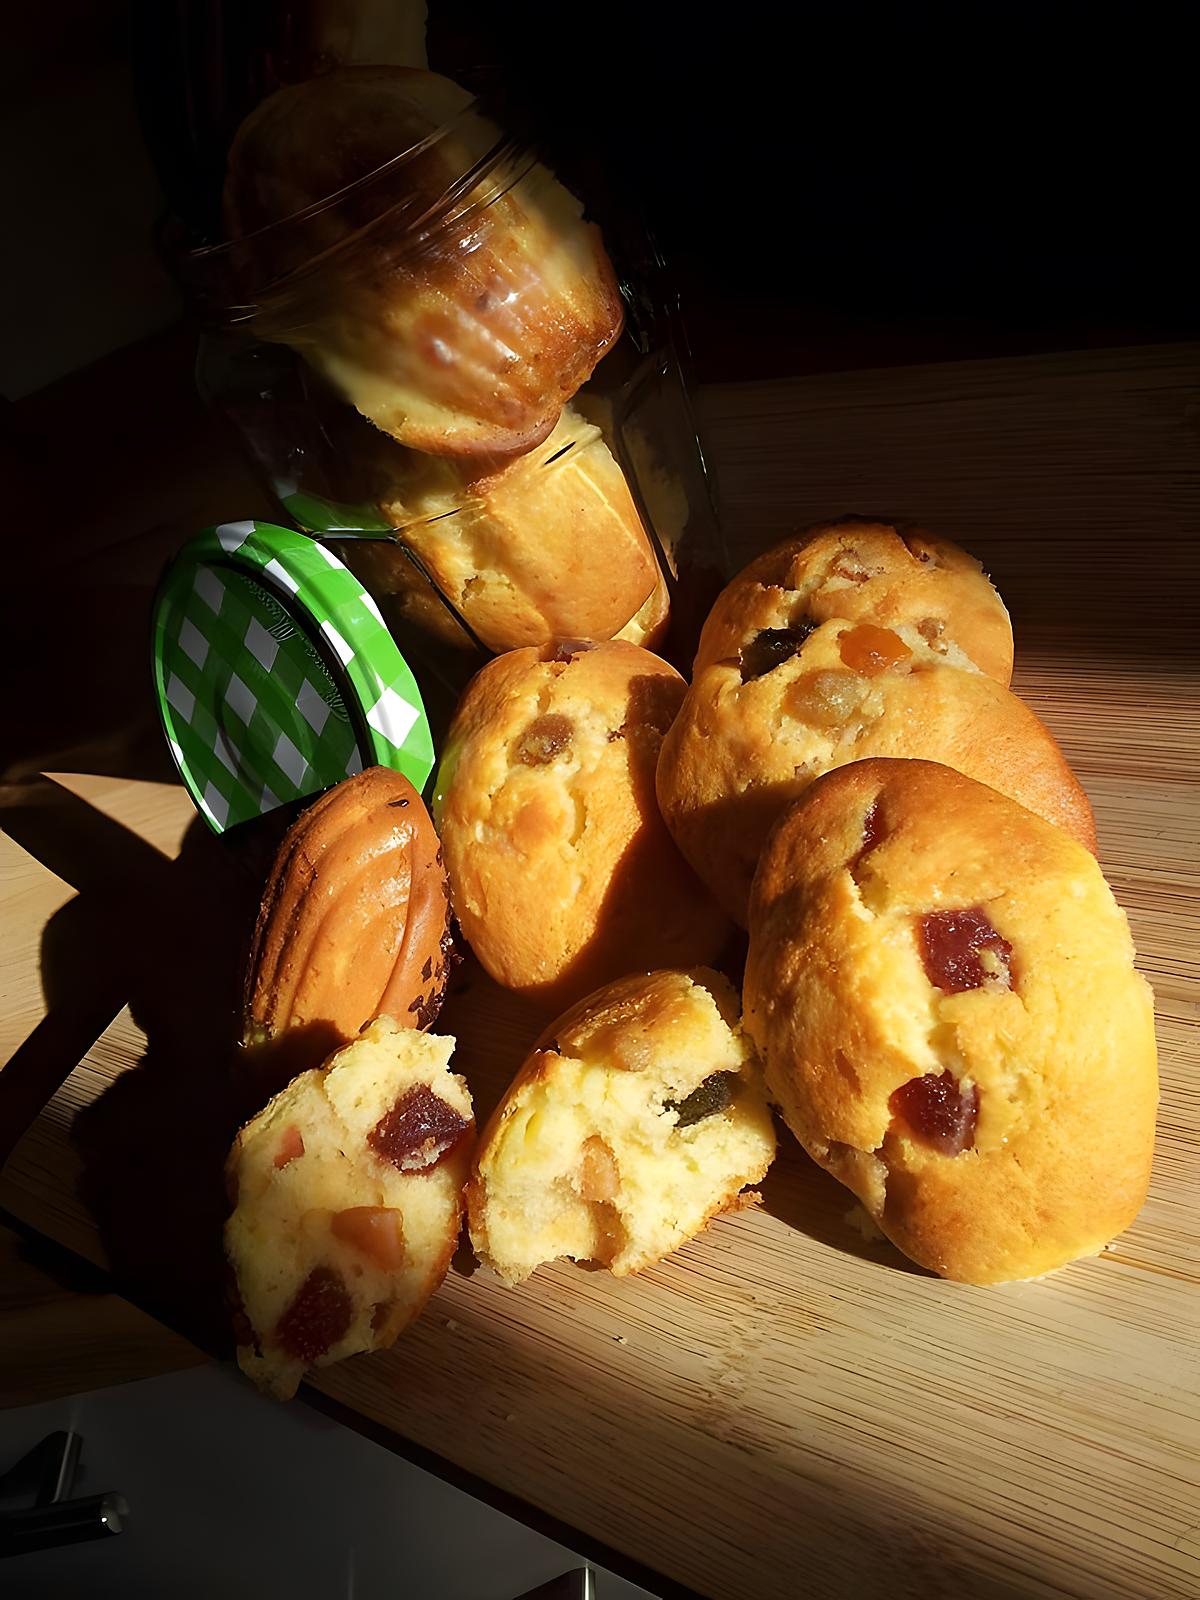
x=308, y=141
x=354, y=924
x=637, y=1117
x=942, y=989
x=650, y=625
x=527, y=550
x=864, y=571
x=753, y=734
x=471, y=343
x=562, y=874
x=347, y=1203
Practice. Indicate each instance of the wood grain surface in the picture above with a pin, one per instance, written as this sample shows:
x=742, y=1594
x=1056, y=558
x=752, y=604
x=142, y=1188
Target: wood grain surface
x=782, y=1407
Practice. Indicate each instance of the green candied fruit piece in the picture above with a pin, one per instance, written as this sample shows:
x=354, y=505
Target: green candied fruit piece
x=713, y=1095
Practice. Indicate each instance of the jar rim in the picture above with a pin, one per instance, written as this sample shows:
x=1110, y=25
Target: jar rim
x=217, y=272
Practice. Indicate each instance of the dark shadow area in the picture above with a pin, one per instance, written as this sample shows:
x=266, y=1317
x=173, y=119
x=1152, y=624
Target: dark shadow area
x=154, y=1144
x=800, y=1194
x=90, y=947
x=495, y=1030
x=1075, y=489
x=84, y=700
x=865, y=184
x=168, y=938
x=63, y=1266
x=108, y=471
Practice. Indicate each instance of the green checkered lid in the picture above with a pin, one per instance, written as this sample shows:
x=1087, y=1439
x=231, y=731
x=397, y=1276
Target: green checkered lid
x=276, y=675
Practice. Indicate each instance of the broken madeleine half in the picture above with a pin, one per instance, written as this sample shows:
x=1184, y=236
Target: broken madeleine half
x=639, y=1115
x=347, y=1193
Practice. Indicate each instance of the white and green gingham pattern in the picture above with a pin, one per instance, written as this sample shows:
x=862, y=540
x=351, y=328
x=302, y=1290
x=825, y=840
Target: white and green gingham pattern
x=276, y=675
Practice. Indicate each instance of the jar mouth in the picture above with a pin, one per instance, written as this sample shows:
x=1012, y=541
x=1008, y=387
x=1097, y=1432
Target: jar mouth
x=236, y=280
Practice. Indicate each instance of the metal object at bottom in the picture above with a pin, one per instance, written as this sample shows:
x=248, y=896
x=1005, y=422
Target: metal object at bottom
x=48, y=1471
x=577, y=1585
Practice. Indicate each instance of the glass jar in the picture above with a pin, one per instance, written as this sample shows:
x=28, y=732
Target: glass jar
x=411, y=363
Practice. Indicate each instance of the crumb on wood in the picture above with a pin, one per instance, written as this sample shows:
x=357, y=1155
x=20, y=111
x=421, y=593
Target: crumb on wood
x=863, y=1224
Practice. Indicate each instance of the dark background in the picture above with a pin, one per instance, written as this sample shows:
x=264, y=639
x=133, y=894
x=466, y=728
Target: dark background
x=836, y=185
x=859, y=183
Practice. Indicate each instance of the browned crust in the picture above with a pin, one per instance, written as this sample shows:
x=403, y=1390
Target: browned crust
x=552, y=923
x=916, y=574
x=649, y=626
x=310, y=140
x=959, y=718
x=1064, y=1064
x=354, y=924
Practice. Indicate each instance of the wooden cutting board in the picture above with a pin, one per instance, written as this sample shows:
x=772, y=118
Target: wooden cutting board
x=783, y=1407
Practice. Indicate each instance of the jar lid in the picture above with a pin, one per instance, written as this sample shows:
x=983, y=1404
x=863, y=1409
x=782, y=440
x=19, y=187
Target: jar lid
x=276, y=675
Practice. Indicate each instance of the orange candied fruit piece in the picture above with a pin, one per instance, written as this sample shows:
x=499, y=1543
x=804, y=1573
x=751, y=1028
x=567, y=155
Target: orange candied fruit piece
x=290, y=1146
x=599, y=1179
x=871, y=650
x=376, y=1231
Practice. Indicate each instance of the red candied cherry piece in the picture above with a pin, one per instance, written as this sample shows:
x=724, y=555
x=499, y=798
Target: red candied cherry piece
x=962, y=950
x=317, y=1318
x=419, y=1131
x=873, y=833
x=936, y=1111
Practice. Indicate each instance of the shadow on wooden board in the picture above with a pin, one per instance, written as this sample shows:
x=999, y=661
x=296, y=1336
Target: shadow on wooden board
x=168, y=939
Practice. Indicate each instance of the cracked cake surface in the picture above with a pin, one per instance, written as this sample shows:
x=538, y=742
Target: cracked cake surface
x=942, y=989
x=755, y=730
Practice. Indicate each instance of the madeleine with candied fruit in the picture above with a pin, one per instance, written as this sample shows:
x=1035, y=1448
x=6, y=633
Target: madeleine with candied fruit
x=943, y=991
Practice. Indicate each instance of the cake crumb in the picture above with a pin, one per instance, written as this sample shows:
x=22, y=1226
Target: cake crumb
x=863, y=1224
